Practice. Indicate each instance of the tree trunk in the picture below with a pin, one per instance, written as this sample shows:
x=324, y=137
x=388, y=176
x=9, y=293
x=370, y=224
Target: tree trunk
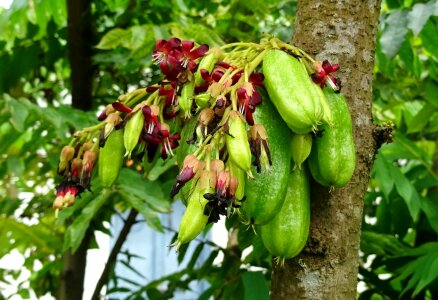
x=73, y=272
x=342, y=31
x=80, y=41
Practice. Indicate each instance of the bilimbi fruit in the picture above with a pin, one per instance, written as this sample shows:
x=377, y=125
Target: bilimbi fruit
x=111, y=158
x=237, y=142
x=246, y=113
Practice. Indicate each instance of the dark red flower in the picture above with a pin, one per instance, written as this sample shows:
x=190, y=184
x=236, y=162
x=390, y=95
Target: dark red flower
x=323, y=75
x=169, y=91
x=189, y=55
x=160, y=135
x=248, y=97
x=121, y=107
x=151, y=114
x=164, y=50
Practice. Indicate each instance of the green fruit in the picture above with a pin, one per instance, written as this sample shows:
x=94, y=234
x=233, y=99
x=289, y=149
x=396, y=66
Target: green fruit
x=194, y=219
x=265, y=193
x=237, y=142
x=111, y=158
x=286, y=235
x=186, y=99
x=301, y=145
x=290, y=88
x=333, y=159
x=133, y=129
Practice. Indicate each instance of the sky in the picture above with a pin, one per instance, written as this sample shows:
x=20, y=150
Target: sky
x=5, y=3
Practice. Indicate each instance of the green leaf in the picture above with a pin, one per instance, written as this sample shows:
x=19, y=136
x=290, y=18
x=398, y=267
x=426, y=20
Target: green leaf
x=132, y=183
x=430, y=209
x=29, y=234
x=160, y=167
x=145, y=210
x=19, y=113
x=380, y=244
x=419, y=15
x=76, y=231
x=428, y=36
x=407, y=191
x=394, y=33
x=114, y=38
x=382, y=174
x=431, y=93
x=422, y=270
x=182, y=250
x=255, y=286
x=421, y=119
x=195, y=256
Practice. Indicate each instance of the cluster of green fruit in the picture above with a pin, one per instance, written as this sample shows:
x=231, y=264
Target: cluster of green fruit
x=248, y=116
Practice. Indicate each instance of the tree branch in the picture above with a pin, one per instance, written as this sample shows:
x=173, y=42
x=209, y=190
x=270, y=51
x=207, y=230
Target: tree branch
x=130, y=221
x=80, y=41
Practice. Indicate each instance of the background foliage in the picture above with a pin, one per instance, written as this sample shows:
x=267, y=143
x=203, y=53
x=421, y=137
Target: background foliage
x=399, y=239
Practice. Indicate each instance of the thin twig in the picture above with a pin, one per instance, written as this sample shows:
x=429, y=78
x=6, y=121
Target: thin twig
x=130, y=221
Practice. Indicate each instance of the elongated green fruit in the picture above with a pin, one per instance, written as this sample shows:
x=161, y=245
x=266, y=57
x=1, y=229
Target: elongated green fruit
x=301, y=145
x=328, y=115
x=202, y=100
x=186, y=99
x=194, y=219
x=237, y=142
x=265, y=193
x=292, y=91
x=133, y=129
x=333, y=159
x=286, y=235
x=111, y=158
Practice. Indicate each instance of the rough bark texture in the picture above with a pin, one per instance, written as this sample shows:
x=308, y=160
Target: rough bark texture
x=342, y=32
x=73, y=272
x=80, y=40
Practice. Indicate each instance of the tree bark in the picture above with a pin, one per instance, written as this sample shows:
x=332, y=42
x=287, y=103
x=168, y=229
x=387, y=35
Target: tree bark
x=344, y=32
x=73, y=272
x=130, y=221
x=80, y=41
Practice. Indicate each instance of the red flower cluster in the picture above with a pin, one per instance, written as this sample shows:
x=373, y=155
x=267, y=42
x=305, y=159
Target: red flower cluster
x=76, y=165
x=175, y=56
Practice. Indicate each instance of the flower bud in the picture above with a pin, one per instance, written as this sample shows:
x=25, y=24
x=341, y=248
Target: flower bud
x=67, y=154
x=87, y=167
x=58, y=203
x=121, y=107
x=108, y=110
x=76, y=169
x=191, y=166
x=258, y=140
x=217, y=166
x=71, y=192
x=239, y=175
x=112, y=121
x=234, y=183
x=223, y=183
